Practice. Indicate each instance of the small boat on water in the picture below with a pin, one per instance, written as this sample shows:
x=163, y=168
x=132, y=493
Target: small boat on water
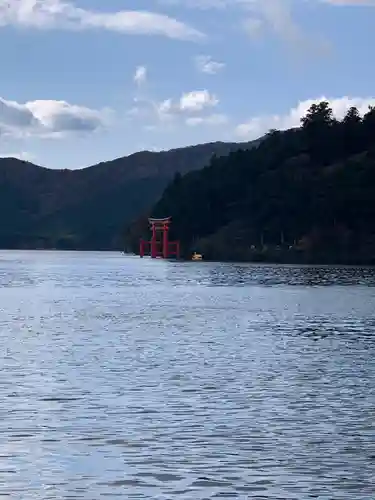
x=197, y=256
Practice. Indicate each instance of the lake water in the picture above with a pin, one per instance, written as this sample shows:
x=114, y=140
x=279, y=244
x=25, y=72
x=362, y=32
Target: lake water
x=139, y=379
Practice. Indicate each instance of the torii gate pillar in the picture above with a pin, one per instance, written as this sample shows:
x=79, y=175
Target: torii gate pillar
x=160, y=247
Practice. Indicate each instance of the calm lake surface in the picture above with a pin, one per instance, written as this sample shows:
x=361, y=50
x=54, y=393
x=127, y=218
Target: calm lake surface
x=138, y=379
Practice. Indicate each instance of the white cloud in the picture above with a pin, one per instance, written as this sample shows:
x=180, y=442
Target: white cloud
x=253, y=26
x=47, y=118
x=168, y=110
x=140, y=75
x=278, y=17
x=63, y=14
x=210, y=120
x=259, y=125
x=197, y=100
x=275, y=15
x=165, y=106
x=165, y=110
x=258, y=15
x=22, y=155
x=206, y=64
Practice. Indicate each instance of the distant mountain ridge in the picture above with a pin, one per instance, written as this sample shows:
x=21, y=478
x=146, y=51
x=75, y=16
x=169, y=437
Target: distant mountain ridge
x=88, y=208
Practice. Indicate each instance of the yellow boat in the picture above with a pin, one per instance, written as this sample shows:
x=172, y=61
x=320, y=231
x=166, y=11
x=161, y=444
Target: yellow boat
x=197, y=256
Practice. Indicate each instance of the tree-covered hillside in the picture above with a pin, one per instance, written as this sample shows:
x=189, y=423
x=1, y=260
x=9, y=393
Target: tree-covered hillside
x=303, y=195
x=88, y=209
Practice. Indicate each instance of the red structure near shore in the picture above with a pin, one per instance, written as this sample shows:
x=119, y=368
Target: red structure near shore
x=159, y=245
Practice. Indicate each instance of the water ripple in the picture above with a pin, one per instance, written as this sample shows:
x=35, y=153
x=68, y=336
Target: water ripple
x=129, y=378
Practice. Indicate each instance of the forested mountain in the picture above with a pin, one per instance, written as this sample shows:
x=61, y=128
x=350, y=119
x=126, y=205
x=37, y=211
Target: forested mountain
x=303, y=195
x=89, y=208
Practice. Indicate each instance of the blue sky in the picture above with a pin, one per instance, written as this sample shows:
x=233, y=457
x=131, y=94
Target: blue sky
x=84, y=81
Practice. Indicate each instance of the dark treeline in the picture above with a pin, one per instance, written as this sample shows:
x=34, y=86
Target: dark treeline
x=303, y=195
x=88, y=209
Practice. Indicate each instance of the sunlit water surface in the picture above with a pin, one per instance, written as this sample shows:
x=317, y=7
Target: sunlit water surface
x=140, y=379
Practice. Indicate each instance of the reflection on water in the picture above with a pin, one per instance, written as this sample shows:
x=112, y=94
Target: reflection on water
x=142, y=379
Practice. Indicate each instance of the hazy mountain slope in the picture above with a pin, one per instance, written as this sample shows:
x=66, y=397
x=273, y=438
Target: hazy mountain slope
x=88, y=208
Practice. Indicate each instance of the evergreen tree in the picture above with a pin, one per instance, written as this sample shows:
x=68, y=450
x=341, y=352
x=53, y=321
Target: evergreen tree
x=306, y=194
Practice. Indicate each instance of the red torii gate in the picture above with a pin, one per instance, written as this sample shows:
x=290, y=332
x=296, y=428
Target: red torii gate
x=160, y=247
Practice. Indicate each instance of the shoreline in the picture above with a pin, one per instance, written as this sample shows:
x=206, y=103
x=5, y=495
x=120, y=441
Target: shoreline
x=265, y=261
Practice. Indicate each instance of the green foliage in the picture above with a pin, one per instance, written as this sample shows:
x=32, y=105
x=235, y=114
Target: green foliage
x=89, y=208
x=303, y=195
